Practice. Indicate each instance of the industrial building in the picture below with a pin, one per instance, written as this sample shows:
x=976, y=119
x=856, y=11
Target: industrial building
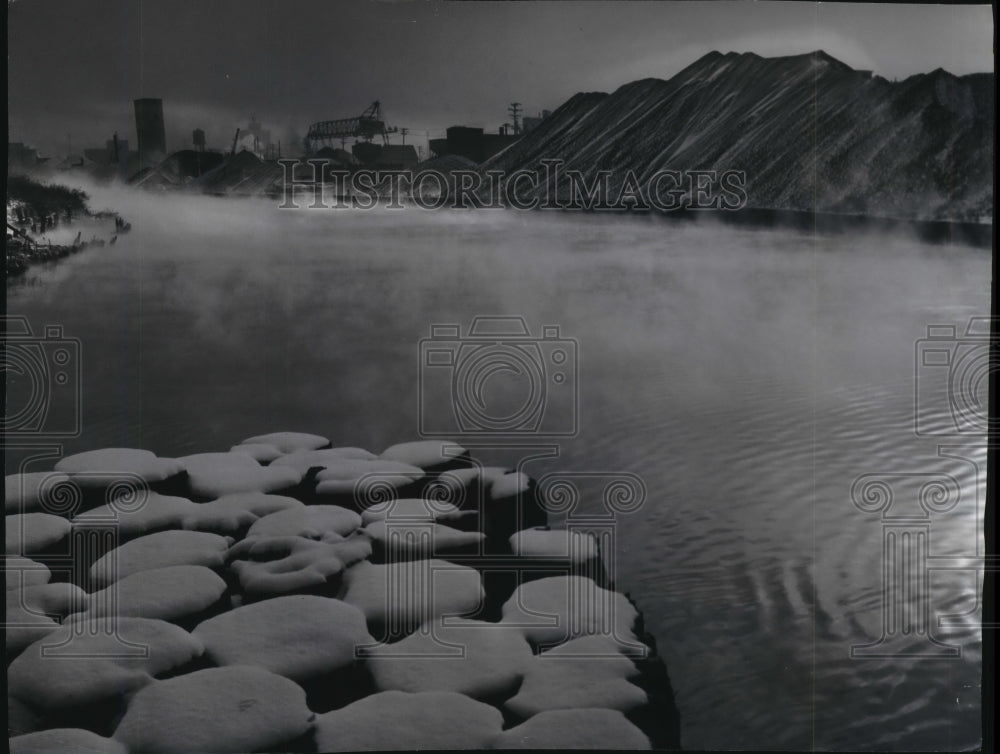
x=149, y=129
x=472, y=143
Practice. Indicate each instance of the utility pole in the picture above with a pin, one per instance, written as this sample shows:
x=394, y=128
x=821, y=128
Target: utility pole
x=404, y=131
x=514, y=110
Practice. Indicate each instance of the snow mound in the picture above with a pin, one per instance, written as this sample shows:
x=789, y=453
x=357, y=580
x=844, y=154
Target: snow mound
x=165, y=548
x=412, y=509
x=171, y=593
x=310, y=521
x=60, y=598
x=260, y=452
x=299, y=637
x=103, y=664
x=213, y=475
x=288, y=442
x=405, y=540
x=405, y=595
x=234, y=709
x=23, y=572
x=559, y=608
x=65, y=739
x=304, y=460
x=104, y=467
x=574, y=729
x=369, y=480
x=23, y=627
x=29, y=492
x=151, y=512
x=234, y=514
x=481, y=660
x=564, y=681
x=425, y=454
x=26, y=533
x=394, y=721
x=273, y=566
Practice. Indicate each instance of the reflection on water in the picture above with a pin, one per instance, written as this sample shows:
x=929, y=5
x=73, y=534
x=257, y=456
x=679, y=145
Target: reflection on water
x=748, y=376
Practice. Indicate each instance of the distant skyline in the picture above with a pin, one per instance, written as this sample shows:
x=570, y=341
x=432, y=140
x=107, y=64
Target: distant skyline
x=74, y=68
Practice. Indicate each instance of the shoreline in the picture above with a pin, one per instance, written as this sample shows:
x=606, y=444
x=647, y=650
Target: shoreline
x=484, y=529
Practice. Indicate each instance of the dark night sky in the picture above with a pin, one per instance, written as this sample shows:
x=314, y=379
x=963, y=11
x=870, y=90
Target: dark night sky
x=74, y=67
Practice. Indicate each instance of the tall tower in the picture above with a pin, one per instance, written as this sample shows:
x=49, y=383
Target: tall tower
x=149, y=129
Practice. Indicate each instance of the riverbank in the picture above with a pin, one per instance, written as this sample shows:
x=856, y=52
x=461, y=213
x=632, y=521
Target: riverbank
x=46, y=222
x=321, y=587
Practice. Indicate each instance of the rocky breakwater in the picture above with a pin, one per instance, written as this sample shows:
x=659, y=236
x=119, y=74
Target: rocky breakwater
x=291, y=596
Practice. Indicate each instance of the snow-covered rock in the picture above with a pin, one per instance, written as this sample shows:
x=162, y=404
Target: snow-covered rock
x=394, y=721
x=150, y=512
x=304, y=460
x=101, y=665
x=59, y=599
x=574, y=729
x=65, y=740
x=165, y=548
x=213, y=475
x=407, y=540
x=29, y=492
x=22, y=572
x=260, y=452
x=401, y=596
x=288, y=442
x=556, y=609
x=412, y=509
x=172, y=593
x=299, y=637
x=366, y=480
x=426, y=454
x=27, y=533
x=481, y=660
x=104, y=467
x=311, y=521
x=571, y=681
x=272, y=566
x=233, y=709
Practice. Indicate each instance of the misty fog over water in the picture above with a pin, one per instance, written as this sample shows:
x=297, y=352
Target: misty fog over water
x=748, y=376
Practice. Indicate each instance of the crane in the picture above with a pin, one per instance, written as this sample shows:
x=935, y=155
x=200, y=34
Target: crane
x=366, y=126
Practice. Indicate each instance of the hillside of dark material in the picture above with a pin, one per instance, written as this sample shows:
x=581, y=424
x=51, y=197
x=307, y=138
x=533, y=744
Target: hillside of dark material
x=811, y=133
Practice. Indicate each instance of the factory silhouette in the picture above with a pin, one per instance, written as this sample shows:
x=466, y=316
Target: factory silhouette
x=248, y=162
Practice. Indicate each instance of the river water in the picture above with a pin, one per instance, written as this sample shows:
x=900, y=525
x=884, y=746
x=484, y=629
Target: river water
x=748, y=377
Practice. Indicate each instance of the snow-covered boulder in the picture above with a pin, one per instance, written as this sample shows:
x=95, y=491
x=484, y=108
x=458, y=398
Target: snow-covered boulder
x=367, y=481
x=427, y=454
x=481, y=660
x=213, y=475
x=65, y=740
x=395, y=721
x=332, y=522
x=104, y=467
x=173, y=593
x=260, y=452
x=232, y=709
x=395, y=540
x=288, y=442
x=101, y=665
x=304, y=460
x=149, y=512
x=401, y=596
x=32, y=491
x=566, y=680
x=22, y=572
x=273, y=566
x=165, y=548
x=59, y=599
x=556, y=609
x=574, y=729
x=27, y=533
x=299, y=637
